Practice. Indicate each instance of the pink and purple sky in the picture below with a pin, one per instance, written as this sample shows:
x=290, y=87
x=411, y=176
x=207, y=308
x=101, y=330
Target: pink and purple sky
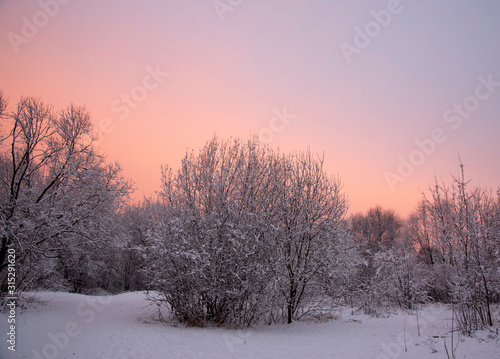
x=392, y=92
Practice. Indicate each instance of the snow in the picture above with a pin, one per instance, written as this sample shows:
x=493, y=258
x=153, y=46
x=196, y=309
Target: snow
x=125, y=326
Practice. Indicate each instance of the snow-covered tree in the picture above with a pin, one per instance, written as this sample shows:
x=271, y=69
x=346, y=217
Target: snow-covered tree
x=376, y=232
x=464, y=225
x=54, y=188
x=309, y=208
x=420, y=231
x=401, y=276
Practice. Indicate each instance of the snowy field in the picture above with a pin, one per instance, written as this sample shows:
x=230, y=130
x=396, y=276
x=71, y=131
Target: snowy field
x=125, y=326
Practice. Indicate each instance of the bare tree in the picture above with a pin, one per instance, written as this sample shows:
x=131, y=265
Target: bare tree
x=419, y=232
x=377, y=228
x=3, y=104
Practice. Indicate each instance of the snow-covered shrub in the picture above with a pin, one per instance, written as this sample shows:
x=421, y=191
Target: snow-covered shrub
x=376, y=232
x=464, y=228
x=245, y=234
x=401, y=276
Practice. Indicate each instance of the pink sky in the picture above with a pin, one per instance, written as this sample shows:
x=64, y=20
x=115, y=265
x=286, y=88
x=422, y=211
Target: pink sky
x=231, y=68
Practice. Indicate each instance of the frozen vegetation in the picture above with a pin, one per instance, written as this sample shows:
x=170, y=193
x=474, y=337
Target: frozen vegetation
x=241, y=235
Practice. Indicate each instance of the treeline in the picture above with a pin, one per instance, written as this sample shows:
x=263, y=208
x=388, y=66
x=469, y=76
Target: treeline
x=240, y=234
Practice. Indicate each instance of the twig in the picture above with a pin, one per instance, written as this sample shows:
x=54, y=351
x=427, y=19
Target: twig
x=446, y=349
x=452, y=334
x=404, y=331
x=418, y=324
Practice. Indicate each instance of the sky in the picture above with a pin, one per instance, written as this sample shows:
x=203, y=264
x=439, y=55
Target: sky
x=391, y=93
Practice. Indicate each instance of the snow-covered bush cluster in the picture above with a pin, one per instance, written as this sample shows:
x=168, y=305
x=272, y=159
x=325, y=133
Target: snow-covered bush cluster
x=247, y=234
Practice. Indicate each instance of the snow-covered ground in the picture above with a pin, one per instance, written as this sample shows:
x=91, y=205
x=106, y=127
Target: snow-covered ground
x=124, y=326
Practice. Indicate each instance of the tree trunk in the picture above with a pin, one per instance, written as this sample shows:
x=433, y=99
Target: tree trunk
x=290, y=312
